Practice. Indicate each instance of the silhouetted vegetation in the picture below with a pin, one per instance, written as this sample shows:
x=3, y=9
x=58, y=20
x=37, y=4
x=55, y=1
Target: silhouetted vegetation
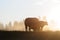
x=16, y=26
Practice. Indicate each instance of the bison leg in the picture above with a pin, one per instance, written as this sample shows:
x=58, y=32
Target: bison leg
x=29, y=29
x=41, y=28
x=26, y=28
x=34, y=30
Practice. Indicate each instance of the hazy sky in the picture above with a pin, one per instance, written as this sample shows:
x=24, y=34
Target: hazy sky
x=11, y=10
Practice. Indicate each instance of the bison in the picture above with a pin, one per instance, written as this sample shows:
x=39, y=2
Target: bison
x=34, y=23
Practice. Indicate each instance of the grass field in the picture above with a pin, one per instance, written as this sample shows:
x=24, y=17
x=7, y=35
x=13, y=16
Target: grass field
x=21, y=35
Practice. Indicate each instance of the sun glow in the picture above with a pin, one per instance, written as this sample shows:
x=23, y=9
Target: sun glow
x=53, y=23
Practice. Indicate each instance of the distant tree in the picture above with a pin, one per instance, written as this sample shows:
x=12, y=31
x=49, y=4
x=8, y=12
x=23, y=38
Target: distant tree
x=15, y=23
x=16, y=26
x=1, y=26
x=10, y=24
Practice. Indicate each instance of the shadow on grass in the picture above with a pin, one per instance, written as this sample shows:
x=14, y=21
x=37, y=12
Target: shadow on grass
x=22, y=35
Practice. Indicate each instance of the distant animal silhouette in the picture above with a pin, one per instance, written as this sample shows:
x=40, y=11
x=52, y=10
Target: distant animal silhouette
x=34, y=23
x=41, y=24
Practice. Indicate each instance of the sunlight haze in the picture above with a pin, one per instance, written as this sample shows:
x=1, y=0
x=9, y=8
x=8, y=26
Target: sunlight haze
x=18, y=10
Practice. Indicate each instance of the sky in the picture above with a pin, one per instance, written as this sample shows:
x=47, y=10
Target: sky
x=16, y=10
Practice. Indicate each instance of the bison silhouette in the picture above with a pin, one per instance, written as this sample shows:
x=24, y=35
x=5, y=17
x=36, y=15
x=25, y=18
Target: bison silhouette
x=35, y=24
